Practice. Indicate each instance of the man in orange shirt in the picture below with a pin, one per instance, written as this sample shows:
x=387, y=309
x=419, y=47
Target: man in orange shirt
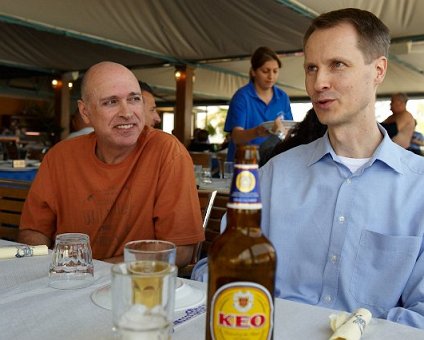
x=124, y=182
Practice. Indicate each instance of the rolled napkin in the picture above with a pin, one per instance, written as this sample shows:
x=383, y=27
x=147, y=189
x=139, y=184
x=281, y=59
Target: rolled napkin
x=349, y=326
x=22, y=251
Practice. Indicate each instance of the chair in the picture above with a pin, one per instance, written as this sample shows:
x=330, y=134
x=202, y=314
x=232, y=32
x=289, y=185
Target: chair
x=201, y=158
x=12, y=197
x=212, y=230
x=206, y=200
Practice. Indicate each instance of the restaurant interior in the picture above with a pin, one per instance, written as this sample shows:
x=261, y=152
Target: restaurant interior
x=195, y=55
x=191, y=53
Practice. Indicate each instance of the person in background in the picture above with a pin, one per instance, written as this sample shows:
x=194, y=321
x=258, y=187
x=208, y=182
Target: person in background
x=257, y=102
x=304, y=132
x=124, y=182
x=152, y=115
x=417, y=142
x=225, y=143
x=200, y=141
x=79, y=126
x=401, y=123
x=348, y=222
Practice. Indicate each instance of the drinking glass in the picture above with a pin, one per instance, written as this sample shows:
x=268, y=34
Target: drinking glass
x=151, y=250
x=206, y=176
x=71, y=266
x=228, y=170
x=143, y=295
x=198, y=173
x=143, y=290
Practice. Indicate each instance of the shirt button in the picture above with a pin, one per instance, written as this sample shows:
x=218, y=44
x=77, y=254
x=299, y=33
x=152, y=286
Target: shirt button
x=327, y=299
x=334, y=258
x=341, y=219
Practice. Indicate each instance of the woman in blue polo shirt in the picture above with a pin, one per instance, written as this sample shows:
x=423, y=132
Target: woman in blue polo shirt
x=257, y=102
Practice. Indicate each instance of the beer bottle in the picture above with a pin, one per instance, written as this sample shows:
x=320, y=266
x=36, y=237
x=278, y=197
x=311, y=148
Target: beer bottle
x=242, y=262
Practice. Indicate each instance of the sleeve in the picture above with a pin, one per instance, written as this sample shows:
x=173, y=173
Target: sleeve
x=287, y=110
x=176, y=212
x=237, y=112
x=200, y=271
x=412, y=311
x=265, y=178
x=39, y=213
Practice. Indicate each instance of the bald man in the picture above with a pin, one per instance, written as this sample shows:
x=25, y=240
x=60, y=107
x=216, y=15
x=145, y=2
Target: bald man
x=405, y=123
x=124, y=182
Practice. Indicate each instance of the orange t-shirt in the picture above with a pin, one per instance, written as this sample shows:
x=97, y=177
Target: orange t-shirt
x=150, y=195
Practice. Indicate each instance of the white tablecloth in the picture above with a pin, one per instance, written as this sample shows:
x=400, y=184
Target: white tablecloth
x=29, y=309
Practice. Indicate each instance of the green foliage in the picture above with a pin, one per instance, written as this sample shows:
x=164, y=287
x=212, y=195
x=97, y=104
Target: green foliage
x=212, y=118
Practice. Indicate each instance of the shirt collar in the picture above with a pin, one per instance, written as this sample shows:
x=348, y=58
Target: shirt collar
x=252, y=92
x=386, y=152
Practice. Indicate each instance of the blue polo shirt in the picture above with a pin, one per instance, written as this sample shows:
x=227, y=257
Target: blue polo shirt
x=247, y=111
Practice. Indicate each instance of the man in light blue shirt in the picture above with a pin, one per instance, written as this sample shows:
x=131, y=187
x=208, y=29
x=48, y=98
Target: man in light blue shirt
x=346, y=212
x=347, y=240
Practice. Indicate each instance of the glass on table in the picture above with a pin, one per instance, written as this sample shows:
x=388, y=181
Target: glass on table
x=143, y=297
x=206, y=176
x=71, y=266
x=198, y=173
x=228, y=170
x=150, y=250
x=143, y=290
x=147, y=250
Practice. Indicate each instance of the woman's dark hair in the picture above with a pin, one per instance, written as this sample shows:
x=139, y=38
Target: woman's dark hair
x=304, y=132
x=261, y=56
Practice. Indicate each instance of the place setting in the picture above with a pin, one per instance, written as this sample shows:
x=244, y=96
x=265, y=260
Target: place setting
x=146, y=287
x=186, y=296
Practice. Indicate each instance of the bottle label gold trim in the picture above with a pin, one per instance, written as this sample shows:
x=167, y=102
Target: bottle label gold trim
x=245, y=192
x=241, y=310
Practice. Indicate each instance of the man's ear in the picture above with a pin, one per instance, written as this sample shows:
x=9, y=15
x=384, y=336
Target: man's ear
x=82, y=107
x=381, y=69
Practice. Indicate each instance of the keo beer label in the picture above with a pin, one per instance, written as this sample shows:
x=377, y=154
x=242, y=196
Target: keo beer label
x=245, y=188
x=242, y=310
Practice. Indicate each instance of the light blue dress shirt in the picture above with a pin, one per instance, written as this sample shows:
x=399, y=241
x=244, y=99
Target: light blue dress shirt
x=347, y=240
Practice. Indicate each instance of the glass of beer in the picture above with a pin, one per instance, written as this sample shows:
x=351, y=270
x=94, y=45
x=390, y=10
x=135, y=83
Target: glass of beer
x=153, y=250
x=143, y=290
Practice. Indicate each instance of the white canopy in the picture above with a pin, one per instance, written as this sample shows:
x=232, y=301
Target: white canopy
x=216, y=37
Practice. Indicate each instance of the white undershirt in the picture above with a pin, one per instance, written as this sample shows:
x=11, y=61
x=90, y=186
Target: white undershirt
x=353, y=163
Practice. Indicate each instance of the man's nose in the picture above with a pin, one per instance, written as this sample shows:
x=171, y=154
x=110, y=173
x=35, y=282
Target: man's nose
x=322, y=80
x=125, y=110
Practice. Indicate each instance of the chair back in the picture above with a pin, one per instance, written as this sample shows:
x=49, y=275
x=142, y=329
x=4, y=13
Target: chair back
x=12, y=198
x=213, y=226
x=206, y=199
x=201, y=158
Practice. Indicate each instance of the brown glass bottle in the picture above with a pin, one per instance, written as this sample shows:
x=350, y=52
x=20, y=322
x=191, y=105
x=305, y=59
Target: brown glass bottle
x=242, y=262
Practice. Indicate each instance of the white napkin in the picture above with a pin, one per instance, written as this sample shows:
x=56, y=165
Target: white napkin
x=349, y=326
x=22, y=251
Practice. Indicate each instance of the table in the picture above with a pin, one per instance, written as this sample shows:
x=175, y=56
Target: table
x=23, y=174
x=219, y=184
x=32, y=310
